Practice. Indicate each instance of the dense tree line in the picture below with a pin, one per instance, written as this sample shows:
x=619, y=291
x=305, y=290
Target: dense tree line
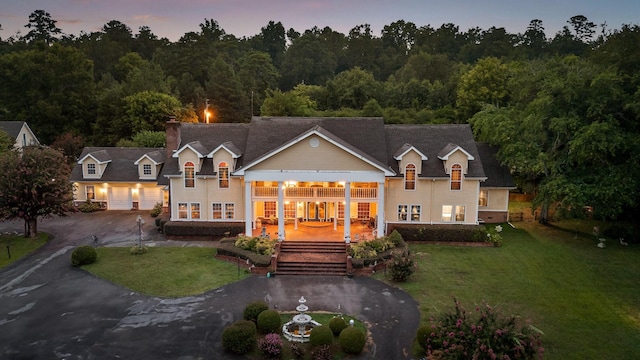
x=564, y=109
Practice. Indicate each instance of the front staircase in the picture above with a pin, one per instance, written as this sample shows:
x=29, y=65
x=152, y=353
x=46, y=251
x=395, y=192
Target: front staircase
x=312, y=258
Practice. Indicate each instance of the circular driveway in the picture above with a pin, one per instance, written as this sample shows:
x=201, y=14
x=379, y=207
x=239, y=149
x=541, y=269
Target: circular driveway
x=50, y=310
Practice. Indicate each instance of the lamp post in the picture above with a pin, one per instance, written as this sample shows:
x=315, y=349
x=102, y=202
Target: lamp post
x=139, y=221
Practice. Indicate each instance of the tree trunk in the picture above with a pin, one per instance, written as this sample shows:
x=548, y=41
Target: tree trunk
x=31, y=227
x=544, y=213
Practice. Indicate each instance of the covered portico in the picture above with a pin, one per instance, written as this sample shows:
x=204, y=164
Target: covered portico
x=300, y=195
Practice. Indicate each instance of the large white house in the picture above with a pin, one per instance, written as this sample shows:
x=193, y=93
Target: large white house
x=288, y=171
x=20, y=132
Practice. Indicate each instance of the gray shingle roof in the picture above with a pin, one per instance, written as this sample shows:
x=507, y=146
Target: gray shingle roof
x=430, y=140
x=121, y=166
x=12, y=127
x=498, y=175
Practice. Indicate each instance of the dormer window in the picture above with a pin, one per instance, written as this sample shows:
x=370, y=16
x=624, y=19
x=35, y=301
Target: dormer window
x=456, y=177
x=91, y=169
x=223, y=175
x=189, y=175
x=146, y=169
x=410, y=177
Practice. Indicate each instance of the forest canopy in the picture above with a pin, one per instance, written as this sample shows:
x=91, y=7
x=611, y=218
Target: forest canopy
x=564, y=110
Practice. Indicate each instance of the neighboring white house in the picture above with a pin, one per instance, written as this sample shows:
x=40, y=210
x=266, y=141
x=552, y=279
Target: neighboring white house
x=20, y=132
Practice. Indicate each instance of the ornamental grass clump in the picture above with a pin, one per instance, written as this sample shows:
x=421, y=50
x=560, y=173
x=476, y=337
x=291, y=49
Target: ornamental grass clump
x=484, y=334
x=271, y=346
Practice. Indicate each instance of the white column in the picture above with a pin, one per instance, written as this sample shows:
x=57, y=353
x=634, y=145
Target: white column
x=280, y=211
x=335, y=216
x=248, y=210
x=295, y=218
x=347, y=212
x=381, y=215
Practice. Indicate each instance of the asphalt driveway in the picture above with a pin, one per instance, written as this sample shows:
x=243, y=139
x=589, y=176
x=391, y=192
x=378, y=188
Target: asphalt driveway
x=50, y=310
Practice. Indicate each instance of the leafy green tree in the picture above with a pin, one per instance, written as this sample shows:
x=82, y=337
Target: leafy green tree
x=150, y=139
x=229, y=102
x=534, y=40
x=272, y=40
x=43, y=28
x=363, y=49
x=34, y=183
x=257, y=74
x=279, y=103
x=51, y=87
x=149, y=110
x=70, y=145
x=352, y=88
x=485, y=83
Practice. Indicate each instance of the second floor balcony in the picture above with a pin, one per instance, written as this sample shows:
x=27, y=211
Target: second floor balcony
x=314, y=193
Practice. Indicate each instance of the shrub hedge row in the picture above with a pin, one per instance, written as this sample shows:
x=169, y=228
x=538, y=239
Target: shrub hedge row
x=229, y=249
x=442, y=233
x=198, y=228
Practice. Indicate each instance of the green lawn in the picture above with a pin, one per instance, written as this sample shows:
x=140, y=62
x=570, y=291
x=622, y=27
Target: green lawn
x=165, y=271
x=585, y=299
x=19, y=246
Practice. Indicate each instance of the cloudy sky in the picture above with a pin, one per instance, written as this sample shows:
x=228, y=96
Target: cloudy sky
x=174, y=18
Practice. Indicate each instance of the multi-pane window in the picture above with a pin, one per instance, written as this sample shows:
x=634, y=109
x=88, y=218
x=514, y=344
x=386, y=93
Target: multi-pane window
x=340, y=210
x=410, y=177
x=270, y=209
x=195, y=210
x=229, y=210
x=456, y=177
x=289, y=210
x=189, y=175
x=402, y=212
x=216, y=210
x=363, y=211
x=483, y=198
x=223, y=175
x=182, y=211
x=90, y=191
x=91, y=169
x=146, y=169
x=453, y=213
x=409, y=212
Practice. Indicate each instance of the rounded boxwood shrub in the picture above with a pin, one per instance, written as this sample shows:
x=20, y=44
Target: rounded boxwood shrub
x=252, y=310
x=321, y=335
x=337, y=324
x=83, y=255
x=239, y=337
x=352, y=340
x=269, y=322
x=421, y=336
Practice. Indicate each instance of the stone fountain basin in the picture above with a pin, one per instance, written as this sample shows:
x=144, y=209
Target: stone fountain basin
x=292, y=336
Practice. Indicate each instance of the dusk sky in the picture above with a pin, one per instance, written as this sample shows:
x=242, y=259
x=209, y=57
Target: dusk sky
x=174, y=18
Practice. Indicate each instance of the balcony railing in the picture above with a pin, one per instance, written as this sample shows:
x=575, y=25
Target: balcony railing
x=332, y=193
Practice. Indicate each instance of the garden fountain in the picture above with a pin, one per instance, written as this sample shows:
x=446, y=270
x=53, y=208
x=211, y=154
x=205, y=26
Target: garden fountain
x=299, y=328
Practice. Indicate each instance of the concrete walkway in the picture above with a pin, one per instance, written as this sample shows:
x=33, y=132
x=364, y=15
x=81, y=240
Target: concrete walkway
x=50, y=310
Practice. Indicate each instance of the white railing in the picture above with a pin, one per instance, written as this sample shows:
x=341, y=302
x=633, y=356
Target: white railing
x=314, y=193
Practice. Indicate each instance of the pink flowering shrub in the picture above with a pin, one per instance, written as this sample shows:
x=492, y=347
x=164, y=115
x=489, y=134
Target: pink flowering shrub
x=484, y=334
x=271, y=346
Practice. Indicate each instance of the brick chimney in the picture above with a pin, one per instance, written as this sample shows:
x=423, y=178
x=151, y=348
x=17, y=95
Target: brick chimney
x=172, y=128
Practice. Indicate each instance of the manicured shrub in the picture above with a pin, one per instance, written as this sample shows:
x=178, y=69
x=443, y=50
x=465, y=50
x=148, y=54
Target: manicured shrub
x=89, y=207
x=320, y=335
x=138, y=250
x=271, y=346
x=252, y=310
x=402, y=266
x=239, y=337
x=484, y=333
x=337, y=324
x=421, y=336
x=352, y=340
x=269, y=322
x=396, y=238
x=157, y=210
x=83, y=255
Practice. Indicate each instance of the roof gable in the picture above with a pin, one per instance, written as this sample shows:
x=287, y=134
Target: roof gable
x=100, y=156
x=195, y=146
x=326, y=135
x=229, y=147
x=404, y=149
x=452, y=148
x=157, y=157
